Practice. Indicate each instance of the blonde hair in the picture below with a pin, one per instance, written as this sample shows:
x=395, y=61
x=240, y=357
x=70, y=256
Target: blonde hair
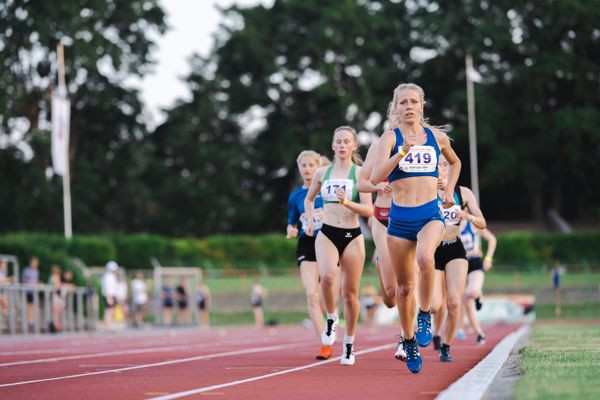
x=356, y=158
x=323, y=161
x=393, y=116
x=309, y=153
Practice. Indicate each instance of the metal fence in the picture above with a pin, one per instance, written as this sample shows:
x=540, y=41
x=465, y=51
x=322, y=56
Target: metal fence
x=35, y=309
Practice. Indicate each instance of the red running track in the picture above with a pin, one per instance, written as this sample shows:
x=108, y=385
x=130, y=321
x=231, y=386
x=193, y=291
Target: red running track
x=232, y=363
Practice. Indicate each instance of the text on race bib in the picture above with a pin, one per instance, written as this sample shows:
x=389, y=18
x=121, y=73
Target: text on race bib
x=419, y=159
x=468, y=241
x=330, y=186
x=450, y=215
x=317, y=220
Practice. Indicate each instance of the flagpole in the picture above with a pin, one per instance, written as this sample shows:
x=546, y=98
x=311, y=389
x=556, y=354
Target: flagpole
x=66, y=177
x=472, y=128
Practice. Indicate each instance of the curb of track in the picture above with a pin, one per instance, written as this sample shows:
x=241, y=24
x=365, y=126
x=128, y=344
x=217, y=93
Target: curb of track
x=473, y=385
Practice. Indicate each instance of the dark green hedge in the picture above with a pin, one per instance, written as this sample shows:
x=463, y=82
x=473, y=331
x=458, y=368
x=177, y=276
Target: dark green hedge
x=517, y=250
x=530, y=250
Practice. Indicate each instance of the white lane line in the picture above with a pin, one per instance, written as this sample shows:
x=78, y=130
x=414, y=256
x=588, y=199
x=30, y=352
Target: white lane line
x=474, y=383
x=160, y=364
x=122, y=338
x=134, y=351
x=97, y=341
x=257, y=378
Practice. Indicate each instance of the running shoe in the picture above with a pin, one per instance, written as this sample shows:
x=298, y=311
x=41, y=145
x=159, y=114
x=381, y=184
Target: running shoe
x=437, y=342
x=325, y=353
x=400, y=352
x=348, y=354
x=478, y=304
x=480, y=339
x=414, y=362
x=423, y=333
x=445, y=353
x=460, y=335
x=328, y=337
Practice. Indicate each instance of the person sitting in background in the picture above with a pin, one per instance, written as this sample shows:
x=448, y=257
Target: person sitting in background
x=139, y=298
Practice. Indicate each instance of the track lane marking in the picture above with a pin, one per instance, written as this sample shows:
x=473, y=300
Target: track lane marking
x=162, y=363
x=257, y=378
x=134, y=351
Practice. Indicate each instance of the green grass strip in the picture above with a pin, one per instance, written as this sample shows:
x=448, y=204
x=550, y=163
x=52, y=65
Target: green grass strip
x=563, y=362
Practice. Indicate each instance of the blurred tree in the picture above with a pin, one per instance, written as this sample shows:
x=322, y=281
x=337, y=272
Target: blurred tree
x=281, y=80
x=104, y=44
x=537, y=105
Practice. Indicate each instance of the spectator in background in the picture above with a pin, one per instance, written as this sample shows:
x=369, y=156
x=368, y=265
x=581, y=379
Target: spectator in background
x=4, y=280
x=471, y=238
x=139, y=298
x=109, y=292
x=182, y=302
x=203, y=301
x=556, y=273
x=31, y=278
x=68, y=280
x=122, y=293
x=168, y=300
x=370, y=298
x=55, y=282
x=67, y=287
x=257, y=297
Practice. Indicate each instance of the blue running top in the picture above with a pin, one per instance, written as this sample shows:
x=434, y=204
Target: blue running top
x=296, y=212
x=420, y=160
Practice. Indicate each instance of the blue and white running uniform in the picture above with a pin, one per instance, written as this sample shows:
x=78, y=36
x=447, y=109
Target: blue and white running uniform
x=406, y=222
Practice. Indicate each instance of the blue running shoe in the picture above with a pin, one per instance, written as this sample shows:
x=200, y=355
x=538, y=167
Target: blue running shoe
x=445, y=353
x=423, y=333
x=414, y=362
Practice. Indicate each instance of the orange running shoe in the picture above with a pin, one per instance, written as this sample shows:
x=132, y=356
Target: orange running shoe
x=325, y=353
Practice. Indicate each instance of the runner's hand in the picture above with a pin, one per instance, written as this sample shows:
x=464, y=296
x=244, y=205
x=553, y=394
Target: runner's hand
x=448, y=199
x=292, y=232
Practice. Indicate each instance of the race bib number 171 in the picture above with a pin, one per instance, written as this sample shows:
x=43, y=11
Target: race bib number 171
x=330, y=186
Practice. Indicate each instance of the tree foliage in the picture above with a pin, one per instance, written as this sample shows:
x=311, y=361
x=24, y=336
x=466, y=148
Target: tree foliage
x=104, y=44
x=279, y=80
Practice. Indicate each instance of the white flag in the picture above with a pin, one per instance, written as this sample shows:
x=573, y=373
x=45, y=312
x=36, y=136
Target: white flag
x=61, y=115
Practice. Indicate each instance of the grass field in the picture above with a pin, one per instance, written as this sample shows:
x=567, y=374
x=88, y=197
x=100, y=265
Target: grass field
x=493, y=280
x=563, y=362
x=290, y=283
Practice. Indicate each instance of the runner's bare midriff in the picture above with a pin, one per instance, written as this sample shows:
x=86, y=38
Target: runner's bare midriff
x=340, y=216
x=383, y=200
x=414, y=191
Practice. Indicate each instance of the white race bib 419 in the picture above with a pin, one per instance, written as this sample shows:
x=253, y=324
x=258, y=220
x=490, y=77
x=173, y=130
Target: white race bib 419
x=419, y=159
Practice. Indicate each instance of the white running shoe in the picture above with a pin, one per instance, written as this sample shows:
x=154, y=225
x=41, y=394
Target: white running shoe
x=328, y=337
x=400, y=352
x=347, y=354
